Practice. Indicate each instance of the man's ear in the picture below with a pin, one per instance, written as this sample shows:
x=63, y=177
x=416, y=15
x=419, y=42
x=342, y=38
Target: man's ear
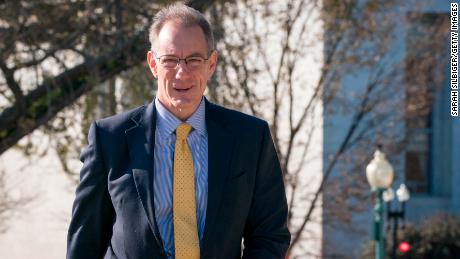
x=212, y=63
x=152, y=63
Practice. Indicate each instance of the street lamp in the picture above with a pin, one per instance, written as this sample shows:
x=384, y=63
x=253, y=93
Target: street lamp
x=380, y=176
x=395, y=214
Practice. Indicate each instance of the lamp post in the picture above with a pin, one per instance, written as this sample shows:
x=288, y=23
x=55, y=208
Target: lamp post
x=380, y=176
x=395, y=214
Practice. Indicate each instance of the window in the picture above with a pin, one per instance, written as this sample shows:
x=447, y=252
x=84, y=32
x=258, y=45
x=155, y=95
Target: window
x=428, y=122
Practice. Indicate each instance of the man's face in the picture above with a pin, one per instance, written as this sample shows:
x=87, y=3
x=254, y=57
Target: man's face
x=181, y=87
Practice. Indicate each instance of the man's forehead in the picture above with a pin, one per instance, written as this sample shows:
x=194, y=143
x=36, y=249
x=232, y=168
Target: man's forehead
x=176, y=37
x=174, y=50
x=172, y=31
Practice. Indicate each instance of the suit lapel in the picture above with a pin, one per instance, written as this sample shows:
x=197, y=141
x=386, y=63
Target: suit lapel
x=141, y=139
x=220, y=147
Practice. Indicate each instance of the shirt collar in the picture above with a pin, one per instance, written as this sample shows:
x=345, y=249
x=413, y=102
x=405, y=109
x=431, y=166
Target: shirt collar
x=167, y=122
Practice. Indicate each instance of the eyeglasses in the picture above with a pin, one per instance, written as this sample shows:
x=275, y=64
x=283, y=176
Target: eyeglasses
x=171, y=62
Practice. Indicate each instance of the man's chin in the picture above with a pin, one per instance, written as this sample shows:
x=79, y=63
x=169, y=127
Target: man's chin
x=184, y=105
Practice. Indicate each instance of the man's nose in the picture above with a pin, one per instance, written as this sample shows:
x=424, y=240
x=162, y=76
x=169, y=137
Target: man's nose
x=182, y=69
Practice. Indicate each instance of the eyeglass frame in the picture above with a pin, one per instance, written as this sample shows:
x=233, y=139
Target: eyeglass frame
x=179, y=59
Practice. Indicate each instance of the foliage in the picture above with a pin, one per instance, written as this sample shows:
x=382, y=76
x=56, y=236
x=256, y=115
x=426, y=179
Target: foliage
x=69, y=46
x=437, y=237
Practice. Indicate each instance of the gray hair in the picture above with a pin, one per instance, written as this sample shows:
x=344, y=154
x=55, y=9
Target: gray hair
x=184, y=15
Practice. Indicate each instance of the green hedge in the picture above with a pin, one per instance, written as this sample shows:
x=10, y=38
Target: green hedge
x=437, y=237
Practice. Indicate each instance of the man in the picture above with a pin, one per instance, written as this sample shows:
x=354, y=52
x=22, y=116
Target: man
x=181, y=177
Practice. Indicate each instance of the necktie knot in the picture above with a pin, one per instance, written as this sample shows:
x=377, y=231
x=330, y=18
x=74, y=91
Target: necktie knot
x=183, y=130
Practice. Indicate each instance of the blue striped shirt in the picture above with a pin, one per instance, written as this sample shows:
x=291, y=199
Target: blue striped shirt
x=165, y=138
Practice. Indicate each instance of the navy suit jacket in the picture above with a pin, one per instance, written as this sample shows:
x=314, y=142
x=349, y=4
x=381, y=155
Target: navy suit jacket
x=113, y=213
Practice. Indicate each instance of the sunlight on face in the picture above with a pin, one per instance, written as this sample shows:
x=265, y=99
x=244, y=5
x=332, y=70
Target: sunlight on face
x=180, y=89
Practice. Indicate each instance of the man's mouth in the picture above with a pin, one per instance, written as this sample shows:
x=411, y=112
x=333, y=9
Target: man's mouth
x=182, y=90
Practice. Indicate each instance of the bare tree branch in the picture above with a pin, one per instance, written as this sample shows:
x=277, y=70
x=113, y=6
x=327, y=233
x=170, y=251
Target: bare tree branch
x=41, y=104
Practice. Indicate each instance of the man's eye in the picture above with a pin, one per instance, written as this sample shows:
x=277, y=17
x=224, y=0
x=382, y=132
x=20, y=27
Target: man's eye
x=169, y=60
x=194, y=60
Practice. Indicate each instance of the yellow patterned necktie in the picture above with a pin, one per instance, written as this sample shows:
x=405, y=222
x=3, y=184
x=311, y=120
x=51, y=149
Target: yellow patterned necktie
x=186, y=242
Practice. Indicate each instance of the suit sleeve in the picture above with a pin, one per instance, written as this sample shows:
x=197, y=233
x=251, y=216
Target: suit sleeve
x=266, y=234
x=92, y=214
